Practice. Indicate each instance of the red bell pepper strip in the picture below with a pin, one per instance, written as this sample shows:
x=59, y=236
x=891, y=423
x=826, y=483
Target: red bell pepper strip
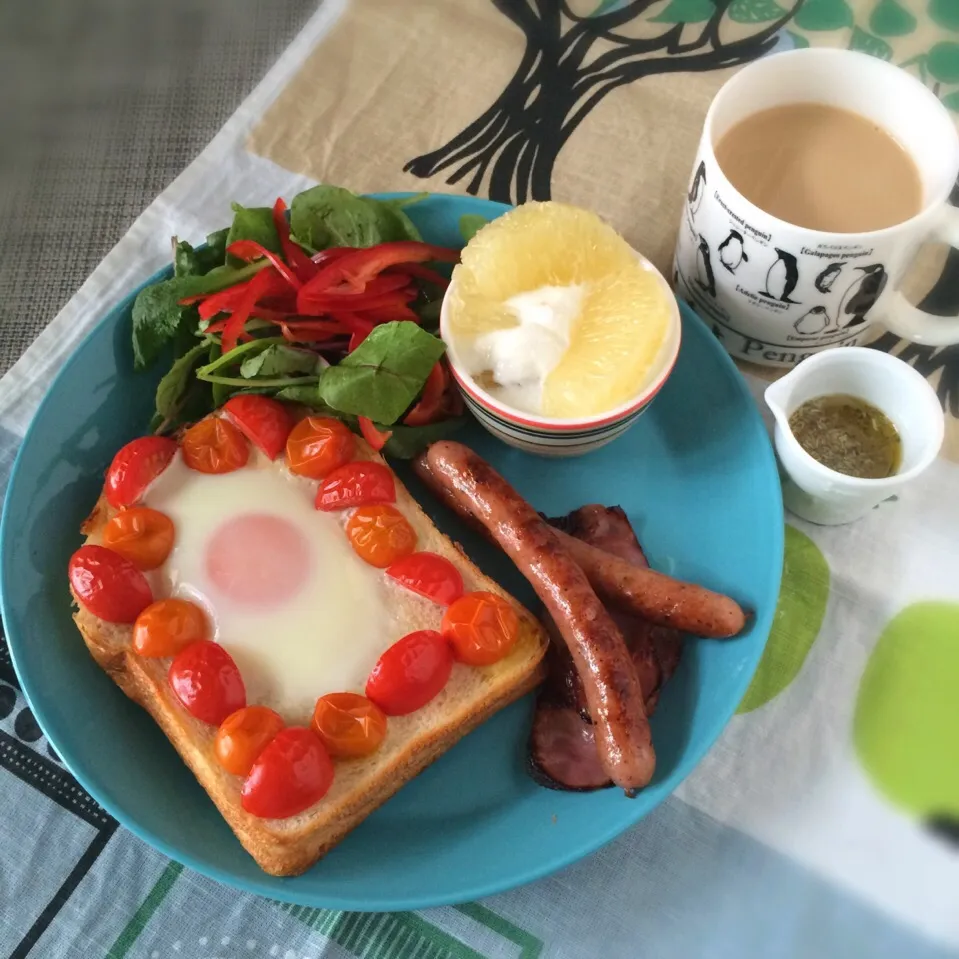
x=333, y=253
x=431, y=400
x=234, y=329
x=227, y=300
x=299, y=262
x=321, y=303
x=376, y=438
x=248, y=250
x=356, y=325
x=358, y=267
x=422, y=273
x=295, y=334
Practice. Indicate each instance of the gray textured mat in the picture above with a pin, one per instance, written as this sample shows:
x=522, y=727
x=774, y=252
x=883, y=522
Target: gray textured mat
x=103, y=103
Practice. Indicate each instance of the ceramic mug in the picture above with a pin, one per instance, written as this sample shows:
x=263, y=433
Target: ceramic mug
x=776, y=293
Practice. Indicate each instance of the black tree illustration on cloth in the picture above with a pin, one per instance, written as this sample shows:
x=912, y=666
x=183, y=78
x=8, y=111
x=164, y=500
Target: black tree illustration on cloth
x=572, y=62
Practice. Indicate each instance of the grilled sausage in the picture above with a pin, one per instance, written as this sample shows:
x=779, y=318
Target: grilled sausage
x=654, y=596
x=612, y=689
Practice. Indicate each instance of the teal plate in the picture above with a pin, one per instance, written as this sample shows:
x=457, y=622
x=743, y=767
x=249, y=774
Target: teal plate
x=696, y=476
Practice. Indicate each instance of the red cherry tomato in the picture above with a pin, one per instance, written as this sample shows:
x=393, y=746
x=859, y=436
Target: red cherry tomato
x=380, y=534
x=430, y=575
x=265, y=422
x=144, y=536
x=108, y=584
x=349, y=724
x=360, y=483
x=376, y=438
x=243, y=735
x=431, y=401
x=318, y=445
x=135, y=467
x=290, y=775
x=215, y=445
x=167, y=626
x=410, y=673
x=206, y=681
x=481, y=627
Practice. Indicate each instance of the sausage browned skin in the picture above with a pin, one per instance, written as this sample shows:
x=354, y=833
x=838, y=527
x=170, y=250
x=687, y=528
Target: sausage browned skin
x=612, y=689
x=654, y=596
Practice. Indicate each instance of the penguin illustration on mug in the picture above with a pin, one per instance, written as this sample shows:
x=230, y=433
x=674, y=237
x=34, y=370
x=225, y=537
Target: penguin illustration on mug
x=704, y=272
x=861, y=295
x=731, y=252
x=828, y=276
x=697, y=189
x=782, y=277
x=813, y=322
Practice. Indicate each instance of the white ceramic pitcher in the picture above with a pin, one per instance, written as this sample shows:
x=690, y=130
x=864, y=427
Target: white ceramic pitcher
x=821, y=495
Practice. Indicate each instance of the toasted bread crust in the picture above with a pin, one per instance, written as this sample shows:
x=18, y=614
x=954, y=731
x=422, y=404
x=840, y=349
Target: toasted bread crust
x=289, y=847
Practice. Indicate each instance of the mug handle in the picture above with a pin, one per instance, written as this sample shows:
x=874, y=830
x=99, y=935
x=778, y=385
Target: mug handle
x=911, y=323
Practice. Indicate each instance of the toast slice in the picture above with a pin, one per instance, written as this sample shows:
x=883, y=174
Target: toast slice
x=287, y=847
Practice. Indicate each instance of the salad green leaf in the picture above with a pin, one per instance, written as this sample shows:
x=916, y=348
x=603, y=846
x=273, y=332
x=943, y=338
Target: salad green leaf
x=277, y=360
x=407, y=441
x=326, y=216
x=157, y=311
x=384, y=374
x=470, y=224
x=253, y=223
x=180, y=396
x=190, y=261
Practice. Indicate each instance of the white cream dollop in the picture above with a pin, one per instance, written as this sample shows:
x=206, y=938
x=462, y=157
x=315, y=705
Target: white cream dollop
x=521, y=357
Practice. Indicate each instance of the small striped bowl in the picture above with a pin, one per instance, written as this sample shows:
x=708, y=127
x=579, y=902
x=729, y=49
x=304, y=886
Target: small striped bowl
x=551, y=436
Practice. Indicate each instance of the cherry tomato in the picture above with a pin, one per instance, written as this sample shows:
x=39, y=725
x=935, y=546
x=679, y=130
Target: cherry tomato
x=144, y=536
x=430, y=575
x=243, y=735
x=349, y=724
x=215, y=445
x=290, y=775
x=135, y=467
x=108, y=584
x=380, y=534
x=167, y=626
x=360, y=483
x=375, y=437
x=206, y=681
x=481, y=627
x=431, y=401
x=410, y=673
x=265, y=422
x=318, y=445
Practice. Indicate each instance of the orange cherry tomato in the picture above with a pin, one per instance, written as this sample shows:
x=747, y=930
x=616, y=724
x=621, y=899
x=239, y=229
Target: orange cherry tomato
x=410, y=673
x=206, y=681
x=265, y=422
x=135, y=467
x=481, y=628
x=350, y=725
x=380, y=534
x=215, y=445
x=318, y=445
x=144, y=536
x=167, y=626
x=430, y=575
x=243, y=735
x=108, y=584
x=290, y=775
x=360, y=483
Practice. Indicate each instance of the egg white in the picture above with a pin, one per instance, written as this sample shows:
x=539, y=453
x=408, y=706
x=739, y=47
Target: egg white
x=328, y=636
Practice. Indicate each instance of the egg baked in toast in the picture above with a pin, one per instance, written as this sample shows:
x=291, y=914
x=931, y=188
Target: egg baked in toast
x=269, y=591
